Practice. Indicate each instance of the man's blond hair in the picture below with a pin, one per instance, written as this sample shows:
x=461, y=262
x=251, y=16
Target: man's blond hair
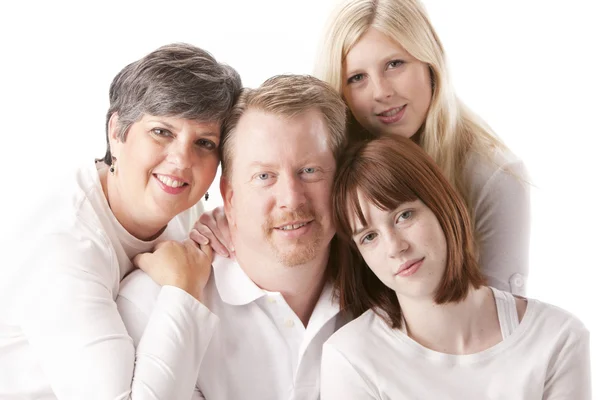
x=288, y=96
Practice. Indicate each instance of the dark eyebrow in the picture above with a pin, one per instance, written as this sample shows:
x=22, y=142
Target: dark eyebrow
x=210, y=133
x=359, y=231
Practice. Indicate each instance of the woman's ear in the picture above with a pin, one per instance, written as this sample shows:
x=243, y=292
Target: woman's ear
x=113, y=134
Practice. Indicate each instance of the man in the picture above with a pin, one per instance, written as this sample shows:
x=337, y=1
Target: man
x=272, y=308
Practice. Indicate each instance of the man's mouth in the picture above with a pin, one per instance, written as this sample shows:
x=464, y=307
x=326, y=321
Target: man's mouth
x=293, y=226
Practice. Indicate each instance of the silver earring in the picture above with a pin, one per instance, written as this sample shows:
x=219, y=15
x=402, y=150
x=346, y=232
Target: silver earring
x=113, y=166
x=206, y=196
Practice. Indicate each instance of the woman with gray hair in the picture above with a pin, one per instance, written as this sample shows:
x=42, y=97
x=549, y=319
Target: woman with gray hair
x=61, y=334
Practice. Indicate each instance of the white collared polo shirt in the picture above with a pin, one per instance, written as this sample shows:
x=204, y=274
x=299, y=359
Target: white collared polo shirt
x=259, y=348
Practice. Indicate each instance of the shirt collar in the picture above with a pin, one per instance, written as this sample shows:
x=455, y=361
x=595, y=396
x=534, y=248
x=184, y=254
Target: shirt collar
x=236, y=288
x=233, y=285
x=326, y=308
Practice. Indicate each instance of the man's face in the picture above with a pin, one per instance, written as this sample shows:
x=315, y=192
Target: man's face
x=278, y=196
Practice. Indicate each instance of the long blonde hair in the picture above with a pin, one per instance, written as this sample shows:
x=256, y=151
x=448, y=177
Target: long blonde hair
x=450, y=130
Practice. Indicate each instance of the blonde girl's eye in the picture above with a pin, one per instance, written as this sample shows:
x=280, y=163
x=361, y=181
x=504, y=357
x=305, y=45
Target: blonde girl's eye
x=355, y=78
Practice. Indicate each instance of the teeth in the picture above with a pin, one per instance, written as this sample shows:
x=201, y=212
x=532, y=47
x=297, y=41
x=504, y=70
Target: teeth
x=291, y=227
x=391, y=112
x=170, y=182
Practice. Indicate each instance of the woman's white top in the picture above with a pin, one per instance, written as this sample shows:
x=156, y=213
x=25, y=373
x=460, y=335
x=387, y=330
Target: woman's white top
x=498, y=190
x=546, y=356
x=61, y=335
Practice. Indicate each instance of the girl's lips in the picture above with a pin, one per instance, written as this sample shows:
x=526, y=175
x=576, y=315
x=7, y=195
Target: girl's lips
x=394, y=117
x=411, y=269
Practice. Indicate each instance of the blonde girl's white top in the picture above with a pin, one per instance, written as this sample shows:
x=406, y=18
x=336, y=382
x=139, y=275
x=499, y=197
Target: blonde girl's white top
x=546, y=356
x=499, y=193
x=61, y=335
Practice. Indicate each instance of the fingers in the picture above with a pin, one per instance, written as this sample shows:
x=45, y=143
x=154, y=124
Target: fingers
x=136, y=260
x=209, y=224
x=204, y=249
x=198, y=237
x=141, y=261
x=214, y=241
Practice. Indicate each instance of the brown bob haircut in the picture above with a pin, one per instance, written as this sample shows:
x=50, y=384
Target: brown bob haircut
x=390, y=171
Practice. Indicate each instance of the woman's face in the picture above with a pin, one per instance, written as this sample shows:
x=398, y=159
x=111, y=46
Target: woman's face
x=387, y=90
x=164, y=166
x=405, y=248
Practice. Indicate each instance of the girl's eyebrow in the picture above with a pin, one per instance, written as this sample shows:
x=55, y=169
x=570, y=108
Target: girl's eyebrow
x=359, y=231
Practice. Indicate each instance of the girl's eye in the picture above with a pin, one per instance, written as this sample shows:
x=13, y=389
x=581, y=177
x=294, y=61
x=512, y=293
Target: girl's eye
x=395, y=63
x=263, y=177
x=404, y=216
x=368, y=238
x=355, y=78
x=207, y=144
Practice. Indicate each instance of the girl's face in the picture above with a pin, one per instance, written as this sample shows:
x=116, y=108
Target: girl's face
x=387, y=90
x=406, y=247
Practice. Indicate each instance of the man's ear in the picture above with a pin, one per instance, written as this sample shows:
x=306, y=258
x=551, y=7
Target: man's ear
x=227, y=196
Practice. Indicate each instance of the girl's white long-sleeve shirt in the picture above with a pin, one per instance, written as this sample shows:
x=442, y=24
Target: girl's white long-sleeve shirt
x=544, y=357
x=499, y=193
x=61, y=335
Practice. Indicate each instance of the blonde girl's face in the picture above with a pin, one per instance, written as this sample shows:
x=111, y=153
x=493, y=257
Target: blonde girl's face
x=387, y=90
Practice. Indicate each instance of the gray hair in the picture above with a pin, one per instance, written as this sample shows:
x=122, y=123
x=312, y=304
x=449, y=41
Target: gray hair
x=176, y=80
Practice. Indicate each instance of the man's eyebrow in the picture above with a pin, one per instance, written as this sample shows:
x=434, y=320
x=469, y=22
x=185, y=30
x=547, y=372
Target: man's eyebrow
x=261, y=164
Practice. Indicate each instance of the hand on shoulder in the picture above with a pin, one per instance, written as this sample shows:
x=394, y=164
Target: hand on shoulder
x=184, y=265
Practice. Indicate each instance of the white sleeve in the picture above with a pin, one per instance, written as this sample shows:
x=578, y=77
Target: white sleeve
x=146, y=308
x=502, y=225
x=340, y=380
x=72, y=324
x=569, y=375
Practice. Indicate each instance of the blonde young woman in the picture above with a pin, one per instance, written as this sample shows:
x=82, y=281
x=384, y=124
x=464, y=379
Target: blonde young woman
x=388, y=63
x=427, y=326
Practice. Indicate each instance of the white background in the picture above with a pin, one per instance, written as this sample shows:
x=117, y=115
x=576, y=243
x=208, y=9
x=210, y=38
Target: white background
x=529, y=68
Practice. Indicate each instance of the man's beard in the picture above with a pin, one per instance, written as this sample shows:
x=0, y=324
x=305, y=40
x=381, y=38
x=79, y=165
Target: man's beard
x=296, y=251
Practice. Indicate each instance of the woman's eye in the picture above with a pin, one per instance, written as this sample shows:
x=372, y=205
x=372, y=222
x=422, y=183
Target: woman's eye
x=355, y=78
x=309, y=170
x=161, y=132
x=207, y=144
